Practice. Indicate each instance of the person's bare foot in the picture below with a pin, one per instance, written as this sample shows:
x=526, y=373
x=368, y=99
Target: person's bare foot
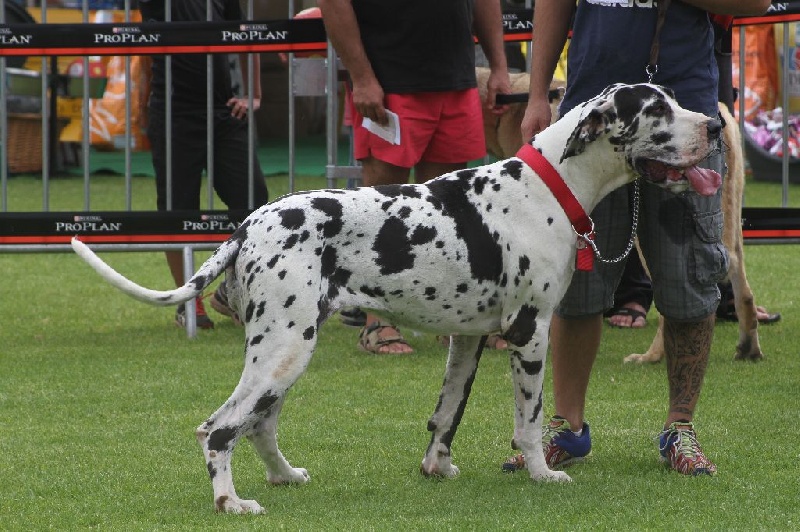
x=629, y=316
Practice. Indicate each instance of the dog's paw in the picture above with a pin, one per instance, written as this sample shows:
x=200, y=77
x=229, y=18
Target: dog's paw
x=438, y=470
x=550, y=476
x=295, y=475
x=233, y=505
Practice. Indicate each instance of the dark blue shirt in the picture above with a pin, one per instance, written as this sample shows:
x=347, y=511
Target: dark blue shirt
x=611, y=44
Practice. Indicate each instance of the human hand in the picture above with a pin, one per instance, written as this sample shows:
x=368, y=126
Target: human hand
x=537, y=117
x=368, y=101
x=239, y=106
x=498, y=83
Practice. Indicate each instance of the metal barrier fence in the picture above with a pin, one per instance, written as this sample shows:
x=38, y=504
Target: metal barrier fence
x=150, y=231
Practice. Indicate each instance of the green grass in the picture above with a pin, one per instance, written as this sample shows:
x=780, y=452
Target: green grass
x=100, y=396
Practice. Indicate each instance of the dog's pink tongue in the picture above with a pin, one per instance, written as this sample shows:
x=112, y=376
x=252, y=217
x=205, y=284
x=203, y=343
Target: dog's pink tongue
x=704, y=181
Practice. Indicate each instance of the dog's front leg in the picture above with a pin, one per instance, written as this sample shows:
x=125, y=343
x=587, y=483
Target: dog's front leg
x=527, y=369
x=462, y=363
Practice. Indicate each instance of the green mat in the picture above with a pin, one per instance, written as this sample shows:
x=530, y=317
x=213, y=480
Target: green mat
x=310, y=159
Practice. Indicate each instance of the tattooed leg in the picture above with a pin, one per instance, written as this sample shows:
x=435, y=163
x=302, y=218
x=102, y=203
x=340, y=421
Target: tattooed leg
x=687, y=345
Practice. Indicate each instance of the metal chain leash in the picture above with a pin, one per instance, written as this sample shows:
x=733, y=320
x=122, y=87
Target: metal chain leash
x=634, y=226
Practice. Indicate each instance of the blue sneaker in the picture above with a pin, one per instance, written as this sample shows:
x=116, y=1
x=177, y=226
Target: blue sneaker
x=561, y=446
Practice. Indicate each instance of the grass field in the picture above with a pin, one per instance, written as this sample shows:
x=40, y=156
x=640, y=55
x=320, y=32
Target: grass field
x=100, y=396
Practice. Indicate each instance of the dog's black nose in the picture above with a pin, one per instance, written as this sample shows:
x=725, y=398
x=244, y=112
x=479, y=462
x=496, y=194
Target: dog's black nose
x=714, y=129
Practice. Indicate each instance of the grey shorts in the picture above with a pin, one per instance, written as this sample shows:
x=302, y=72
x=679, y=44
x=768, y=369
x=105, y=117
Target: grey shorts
x=681, y=240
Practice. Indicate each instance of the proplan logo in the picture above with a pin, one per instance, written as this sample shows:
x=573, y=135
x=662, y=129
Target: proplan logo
x=254, y=33
x=88, y=224
x=7, y=37
x=127, y=35
x=210, y=222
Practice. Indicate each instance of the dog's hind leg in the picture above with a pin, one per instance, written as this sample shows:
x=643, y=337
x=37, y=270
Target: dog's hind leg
x=265, y=439
x=272, y=365
x=462, y=363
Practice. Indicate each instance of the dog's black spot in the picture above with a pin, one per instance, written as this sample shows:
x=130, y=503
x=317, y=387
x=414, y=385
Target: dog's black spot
x=220, y=439
x=308, y=334
x=661, y=138
x=549, y=220
x=404, y=212
x=264, y=403
x=430, y=293
x=333, y=209
x=393, y=247
x=271, y=262
x=483, y=253
x=513, y=169
x=423, y=235
x=212, y=472
x=545, y=287
x=524, y=264
x=291, y=241
x=292, y=218
x=289, y=301
x=372, y=291
x=462, y=288
x=466, y=175
x=394, y=191
x=249, y=266
x=255, y=341
x=479, y=183
x=261, y=307
x=290, y=325
x=248, y=313
x=521, y=331
x=281, y=274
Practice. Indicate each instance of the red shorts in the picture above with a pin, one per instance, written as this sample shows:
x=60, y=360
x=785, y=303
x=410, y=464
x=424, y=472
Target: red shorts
x=436, y=127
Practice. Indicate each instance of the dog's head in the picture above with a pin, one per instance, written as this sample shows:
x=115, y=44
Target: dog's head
x=661, y=141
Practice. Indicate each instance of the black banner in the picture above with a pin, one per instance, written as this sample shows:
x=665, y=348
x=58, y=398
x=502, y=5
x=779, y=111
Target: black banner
x=118, y=226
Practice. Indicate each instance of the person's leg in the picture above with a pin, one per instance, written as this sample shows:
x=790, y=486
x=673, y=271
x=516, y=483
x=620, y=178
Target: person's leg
x=574, y=343
x=633, y=297
x=681, y=240
x=187, y=165
x=387, y=339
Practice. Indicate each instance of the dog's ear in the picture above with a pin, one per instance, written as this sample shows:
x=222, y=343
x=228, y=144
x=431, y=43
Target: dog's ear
x=594, y=122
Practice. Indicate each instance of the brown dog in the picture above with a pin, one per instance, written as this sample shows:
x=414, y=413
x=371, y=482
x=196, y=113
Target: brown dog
x=503, y=139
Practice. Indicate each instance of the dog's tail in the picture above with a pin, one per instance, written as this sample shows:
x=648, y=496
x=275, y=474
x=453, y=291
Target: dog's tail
x=224, y=256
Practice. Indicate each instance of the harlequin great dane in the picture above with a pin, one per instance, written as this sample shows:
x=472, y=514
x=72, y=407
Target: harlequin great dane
x=504, y=138
x=467, y=254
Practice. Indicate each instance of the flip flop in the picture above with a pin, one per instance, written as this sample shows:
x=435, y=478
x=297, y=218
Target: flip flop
x=728, y=313
x=633, y=313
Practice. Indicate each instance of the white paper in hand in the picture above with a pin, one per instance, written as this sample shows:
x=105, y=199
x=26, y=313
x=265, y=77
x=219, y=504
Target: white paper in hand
x=390, y=132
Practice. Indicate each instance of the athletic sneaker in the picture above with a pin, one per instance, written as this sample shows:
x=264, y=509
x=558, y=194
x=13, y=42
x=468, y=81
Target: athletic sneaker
x=679, y=448
x=202, y=319
x=561, y=446
x=220, y=303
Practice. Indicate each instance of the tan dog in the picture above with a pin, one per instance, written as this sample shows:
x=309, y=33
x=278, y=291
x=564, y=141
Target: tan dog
x=503, y=139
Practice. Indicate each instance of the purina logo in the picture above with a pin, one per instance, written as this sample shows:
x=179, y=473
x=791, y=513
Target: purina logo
x=219, y=217
x=126, y=29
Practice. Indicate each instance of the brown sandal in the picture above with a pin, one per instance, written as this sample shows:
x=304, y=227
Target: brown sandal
x=371, y=341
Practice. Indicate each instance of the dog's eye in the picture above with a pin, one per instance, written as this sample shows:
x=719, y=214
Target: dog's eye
x=657, y=109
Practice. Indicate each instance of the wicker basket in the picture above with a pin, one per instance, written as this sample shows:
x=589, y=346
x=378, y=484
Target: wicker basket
x=24, y=143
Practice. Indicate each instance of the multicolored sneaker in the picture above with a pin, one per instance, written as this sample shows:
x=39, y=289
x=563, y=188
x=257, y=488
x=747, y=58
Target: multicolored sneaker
x=561, y=446
x=220, y=303
x=679, y=448
x=202, y=319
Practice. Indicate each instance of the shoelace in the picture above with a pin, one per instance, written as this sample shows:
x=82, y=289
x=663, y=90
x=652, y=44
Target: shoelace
x=551, y=432
x=685, y=442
